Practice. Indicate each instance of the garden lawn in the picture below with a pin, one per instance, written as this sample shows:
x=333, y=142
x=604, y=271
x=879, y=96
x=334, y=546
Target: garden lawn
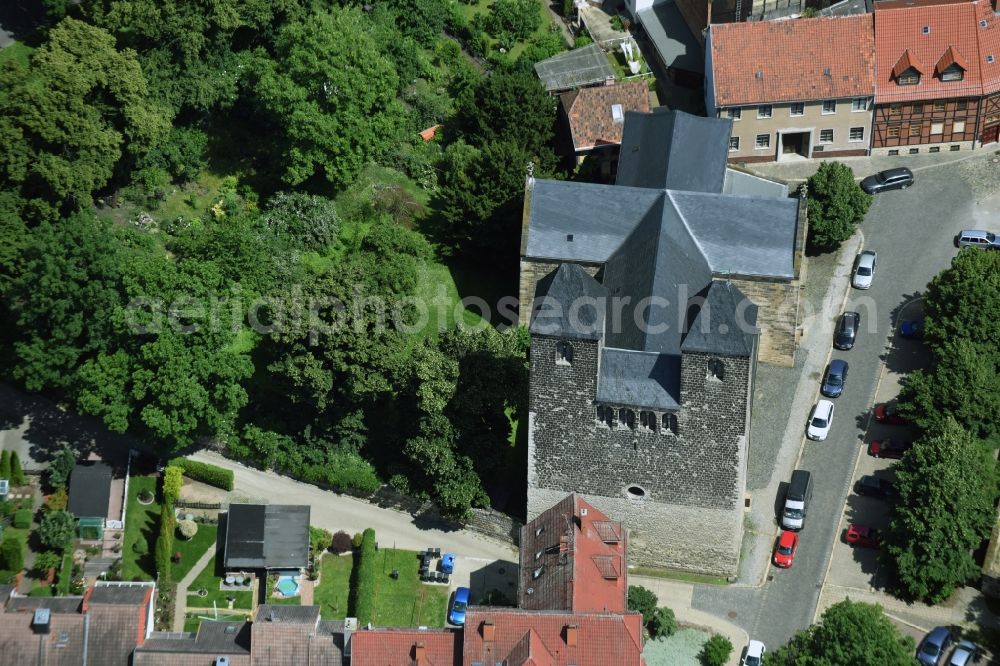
x=482, y=7
x=210, y=579
x=437, y=292
x=65, y=580
x=334, y=586
x=192, y=549
x=140, y=521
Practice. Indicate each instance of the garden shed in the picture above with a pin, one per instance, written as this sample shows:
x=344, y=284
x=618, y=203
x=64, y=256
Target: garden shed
x=266, y=536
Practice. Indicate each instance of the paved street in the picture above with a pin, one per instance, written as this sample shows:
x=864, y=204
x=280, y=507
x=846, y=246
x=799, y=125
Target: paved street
x=912, y=231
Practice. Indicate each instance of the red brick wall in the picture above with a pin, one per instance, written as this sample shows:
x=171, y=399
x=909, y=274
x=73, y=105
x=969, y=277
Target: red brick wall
x=909, y=123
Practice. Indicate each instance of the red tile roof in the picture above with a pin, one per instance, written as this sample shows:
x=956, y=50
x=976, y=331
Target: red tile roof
x=552, y=638
x=762, y=62
x=573, y=558
x=989, y=45
x=405, y=647
x=590, y=117
x=926, y=33
x=905, y=62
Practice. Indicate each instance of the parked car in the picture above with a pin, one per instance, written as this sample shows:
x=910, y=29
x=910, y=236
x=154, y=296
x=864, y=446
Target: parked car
x=864, y=269
x=820, y=421
x=934, y=646
x=754, y=655
x=862, y=536
x=899, y=178
x=977, y=238
x=889, y=448
x=847, y=330
x=875, y=486
x=911, y=328
x=456, y=614
x=447, y=564
x=833, y=380
x=966, y=652
x=885, y=412
x=784, y=551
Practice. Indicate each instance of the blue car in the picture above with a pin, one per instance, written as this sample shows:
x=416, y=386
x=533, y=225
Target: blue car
x=934, y=646
x=911, y=329
x=448, y=563
x=456, y=615
x=834, y=379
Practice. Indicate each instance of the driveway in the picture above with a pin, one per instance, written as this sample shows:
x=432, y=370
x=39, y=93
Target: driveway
x=912, y=231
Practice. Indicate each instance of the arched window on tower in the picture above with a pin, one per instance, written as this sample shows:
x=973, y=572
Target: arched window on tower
x=716, y=369
x=605, y=416
x=626, y=417
x=564, y=353
x=648, y=421
x=670, y=424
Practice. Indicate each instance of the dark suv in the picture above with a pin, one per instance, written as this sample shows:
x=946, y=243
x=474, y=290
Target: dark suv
x=890, y=179
x=847, y=330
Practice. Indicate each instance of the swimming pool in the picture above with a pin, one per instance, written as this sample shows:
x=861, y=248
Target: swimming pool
x=288, y=586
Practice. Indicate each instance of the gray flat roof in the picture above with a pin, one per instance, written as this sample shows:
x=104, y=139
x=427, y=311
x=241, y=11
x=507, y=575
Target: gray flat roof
x=672, y=38
x=272, y=536
x=584, y=66
x=89, y=490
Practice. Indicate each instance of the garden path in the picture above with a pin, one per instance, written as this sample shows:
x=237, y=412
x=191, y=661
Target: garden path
x=180, y=595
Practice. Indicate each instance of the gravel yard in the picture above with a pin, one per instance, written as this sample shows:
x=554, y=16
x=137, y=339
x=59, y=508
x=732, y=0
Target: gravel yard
x=681, y=649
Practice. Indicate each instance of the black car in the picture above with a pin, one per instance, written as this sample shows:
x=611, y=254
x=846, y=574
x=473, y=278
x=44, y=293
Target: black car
x=847, y=330
x=833, y=380
x=890, y=179
x=875, y=486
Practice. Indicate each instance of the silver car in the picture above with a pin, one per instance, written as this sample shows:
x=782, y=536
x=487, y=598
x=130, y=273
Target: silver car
x=965, y=654
x=864, y=269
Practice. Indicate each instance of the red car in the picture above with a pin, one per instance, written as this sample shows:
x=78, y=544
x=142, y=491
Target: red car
x=885, y=412
x=784, y=552
x=889, y=448
x=865, y=537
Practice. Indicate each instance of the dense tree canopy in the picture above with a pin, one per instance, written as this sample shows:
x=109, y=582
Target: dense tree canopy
x=836, y=205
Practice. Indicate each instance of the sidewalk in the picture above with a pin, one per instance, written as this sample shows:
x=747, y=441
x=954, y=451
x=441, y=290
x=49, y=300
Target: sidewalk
x=677, y=596
x=180, y=594
x=799, y=170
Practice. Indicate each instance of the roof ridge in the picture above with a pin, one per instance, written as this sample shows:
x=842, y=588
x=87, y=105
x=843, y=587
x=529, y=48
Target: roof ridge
x=687, y=227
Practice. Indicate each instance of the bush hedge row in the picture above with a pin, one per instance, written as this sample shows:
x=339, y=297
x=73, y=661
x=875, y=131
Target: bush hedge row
x=363, y=589
x=165, y=542
x=213, y=475
x=22, y=519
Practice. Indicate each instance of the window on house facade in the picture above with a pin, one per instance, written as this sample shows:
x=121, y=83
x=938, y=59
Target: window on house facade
x=830, y=106
x=962, y=105
x=918, y=108
x=939, y=106
x=734, y=143
x=895, y=109
x=605, y=416
x=764, y=111
x=857, y=134
x=914, y=130
x=937, y=128
x=564, y=353
x=763, y=141
x=859, y=104
x=626, y=418
x=914, y=151
x=954, y=148
x=734, y=113
x=892, y=132
x=910, y=77
x=648, y=421
x=935, y=149
x=670, y=424
x=893, y=153
x=797, y=109
x=716, y=369
x=826, y=136
x=953, y=73
x=958, y=126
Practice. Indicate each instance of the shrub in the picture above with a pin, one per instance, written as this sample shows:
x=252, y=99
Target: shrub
x=319, y=539
x=213, y=475
x=11, y=554
x=662, y=623
x=61, y=467
x=16, y=471
x=141, y=546
x=187, y=528
x=356, y=540
x=642, y=601
x=57, y=501
x=22, y=519
x=172, y=484
x=165, y=542
x=836, y=205
x=40, y=591
x=363, y=590
x=341, y=542
x=5, y=465
x=716, y=651
x=176, y=557
x=57, y=529
x=45, y=561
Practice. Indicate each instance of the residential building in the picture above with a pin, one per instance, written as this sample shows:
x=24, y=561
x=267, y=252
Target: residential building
x=820, y=107
x=988, y=29
x=651, y=301
x=676, y=46
x=266, y=536
x=402, y=647
x=90, y=498
x=929, y=85
x=697, y=15
x=595, y=117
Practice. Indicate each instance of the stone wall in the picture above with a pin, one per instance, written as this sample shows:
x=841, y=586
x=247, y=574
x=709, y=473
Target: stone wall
x=495, y=524
x=778, y=317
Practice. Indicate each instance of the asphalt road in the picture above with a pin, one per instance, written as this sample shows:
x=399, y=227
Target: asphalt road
x=912, y=231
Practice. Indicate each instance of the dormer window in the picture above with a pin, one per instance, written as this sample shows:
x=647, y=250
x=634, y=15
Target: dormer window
x=951, y=65
x=564, y=353
x=908, y=70
x=910, y=77
x=953, y=73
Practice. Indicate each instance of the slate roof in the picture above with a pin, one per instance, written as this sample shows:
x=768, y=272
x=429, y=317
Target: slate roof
x=740, y=182
x=653, y=141
x=400, y=647
x=89, y=490
x=543, y=638
x=54, y=604
x=570, y=304
x=639, y=379
x=272, y=536
x=750, y=60
x=589, y=111
x=725, y=323
x=567, y=554
x=900, y=37
x=671, y=37
x=295, y=635
x=584, y=66
x=213, y=639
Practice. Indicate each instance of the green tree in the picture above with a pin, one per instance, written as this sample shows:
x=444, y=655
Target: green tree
x=642, y=600
x=518, y=18
x=5, y=465
x=849, y=633
x=662, y=623
x=330, y=94
x=963, y=301
x=68, y=120
x=836, y=204
x=304, y=221
x=57, y=529
x=451, y=475
x=45, y=561
x=61, y=466
x=947, y=488
x=716, y=651
x=11, y=554
x=319, y=539
x=16, y=470
x=173, y=481
x=423, y=20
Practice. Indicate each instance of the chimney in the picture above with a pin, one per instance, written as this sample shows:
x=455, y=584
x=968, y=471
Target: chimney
x=571, y=635
x=40, y=621
x=489, y=631
x=419, y=653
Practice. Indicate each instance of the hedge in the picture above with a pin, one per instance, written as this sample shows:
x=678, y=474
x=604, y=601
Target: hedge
x=213, y=475
x=172, y=483
x=65, y=579
x=22, y=519
x=165, y=542
x=363, y=589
